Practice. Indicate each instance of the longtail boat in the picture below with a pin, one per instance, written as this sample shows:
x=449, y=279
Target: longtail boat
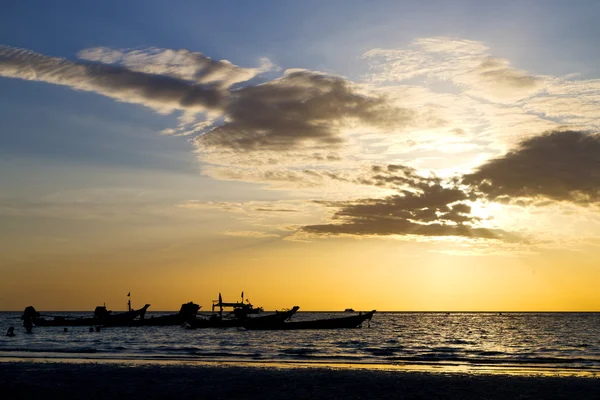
x=354, y=321
x=101, y=317
x=186, y=312
x=240, y=309
x=216, y=322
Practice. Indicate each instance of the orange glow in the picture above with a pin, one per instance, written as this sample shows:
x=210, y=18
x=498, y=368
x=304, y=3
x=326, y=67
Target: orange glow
x=328, y=275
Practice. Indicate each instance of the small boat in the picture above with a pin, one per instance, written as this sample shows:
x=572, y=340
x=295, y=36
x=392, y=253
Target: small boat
x=240, y=312
x=121, y=319
x=277, y=318
x=101, y=317
x=216, y=322
x=186, y=312
x=240, y=309
x=354, y=321
x=30, y=315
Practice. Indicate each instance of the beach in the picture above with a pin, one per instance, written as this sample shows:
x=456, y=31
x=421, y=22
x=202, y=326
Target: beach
x=93, y=380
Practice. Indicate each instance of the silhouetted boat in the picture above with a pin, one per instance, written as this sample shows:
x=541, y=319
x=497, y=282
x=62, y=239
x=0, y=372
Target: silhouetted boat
x=101, y=317
x=217, y=322
x=349, y=310
x=239, y=313
x=186, y=312
x=240, y=309
x=354, y=321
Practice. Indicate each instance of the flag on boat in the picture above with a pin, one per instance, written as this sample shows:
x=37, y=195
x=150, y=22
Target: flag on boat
x=129, y=294
x=242, y=295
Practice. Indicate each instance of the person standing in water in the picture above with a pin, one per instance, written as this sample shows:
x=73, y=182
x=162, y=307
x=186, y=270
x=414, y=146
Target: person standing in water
x=28, y=315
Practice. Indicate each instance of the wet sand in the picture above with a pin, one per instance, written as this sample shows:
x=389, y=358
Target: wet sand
x=29, y=380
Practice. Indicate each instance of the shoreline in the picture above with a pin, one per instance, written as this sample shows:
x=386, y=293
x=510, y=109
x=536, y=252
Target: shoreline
x=94, y=380
x=441, y=368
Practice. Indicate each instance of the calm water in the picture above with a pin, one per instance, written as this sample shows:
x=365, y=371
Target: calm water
x=561, y=341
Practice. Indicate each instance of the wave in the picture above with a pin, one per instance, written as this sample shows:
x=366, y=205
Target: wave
x=86, y=350
x=300, y=351
x=433, y=358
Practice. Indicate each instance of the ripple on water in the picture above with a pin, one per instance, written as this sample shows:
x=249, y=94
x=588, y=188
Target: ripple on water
x=550, y=340
x=382, y=351
x=302, y=351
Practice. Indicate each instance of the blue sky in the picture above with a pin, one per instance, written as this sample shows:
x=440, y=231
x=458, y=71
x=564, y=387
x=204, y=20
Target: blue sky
x=327, y=36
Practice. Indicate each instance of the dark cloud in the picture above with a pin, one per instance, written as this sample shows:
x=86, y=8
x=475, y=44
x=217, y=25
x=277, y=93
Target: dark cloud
x=300, y=107
x=560, y=166
x=429, y=207
x=156, y=91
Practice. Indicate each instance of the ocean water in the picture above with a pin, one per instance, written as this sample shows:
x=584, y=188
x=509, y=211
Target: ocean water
x=493, y=341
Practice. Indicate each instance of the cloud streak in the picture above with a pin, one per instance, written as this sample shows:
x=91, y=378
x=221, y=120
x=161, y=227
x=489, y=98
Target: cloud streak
x=162, y=93
x=179, y=64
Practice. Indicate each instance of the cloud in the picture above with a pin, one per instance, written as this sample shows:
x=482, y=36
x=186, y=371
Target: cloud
x=160, y=92
x=181, y=64
x=497, y=74
x=465, y=63
x=252, y=234
x=297, y=110
x=277, y=218
x=572, y=102
x=250, y=207
x=397, y=176
x=559, y=165
x=424, y=206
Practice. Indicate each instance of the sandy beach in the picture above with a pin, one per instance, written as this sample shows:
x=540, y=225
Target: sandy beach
x=29, y=380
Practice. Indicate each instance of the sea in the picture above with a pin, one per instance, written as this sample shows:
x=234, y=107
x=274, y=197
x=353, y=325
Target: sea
x=507, y=342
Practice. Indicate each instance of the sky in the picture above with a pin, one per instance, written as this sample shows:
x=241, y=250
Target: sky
x=390, y=155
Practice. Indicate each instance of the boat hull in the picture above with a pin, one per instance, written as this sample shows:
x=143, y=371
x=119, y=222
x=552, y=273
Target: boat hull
x=165, y=320
x=122, y=319
x=58, y=321
x=278, y=317
x=354, y=321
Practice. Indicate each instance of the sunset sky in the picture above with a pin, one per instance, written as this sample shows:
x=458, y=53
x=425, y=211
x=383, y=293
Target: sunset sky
x=386, y=155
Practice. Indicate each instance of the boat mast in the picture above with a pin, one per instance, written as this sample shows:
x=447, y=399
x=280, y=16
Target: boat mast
x=220, y=306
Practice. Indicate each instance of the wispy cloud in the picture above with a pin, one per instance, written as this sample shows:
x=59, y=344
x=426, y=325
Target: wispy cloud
x=252, y=234
x=160, y=92
x=466, y=63
x=181, y=64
